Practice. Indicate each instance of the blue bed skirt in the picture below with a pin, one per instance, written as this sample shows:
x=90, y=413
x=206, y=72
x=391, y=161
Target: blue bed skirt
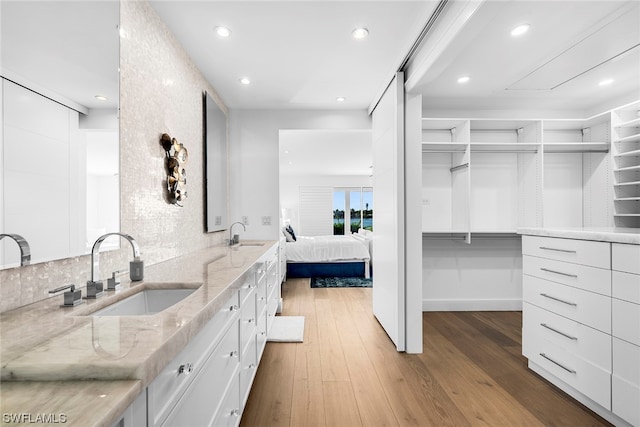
x=324, y=269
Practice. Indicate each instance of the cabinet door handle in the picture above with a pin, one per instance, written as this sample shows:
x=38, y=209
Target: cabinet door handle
x=558, y=272
x=559, y=300
x=546, y=248
x=571, y=371
x=544, y=325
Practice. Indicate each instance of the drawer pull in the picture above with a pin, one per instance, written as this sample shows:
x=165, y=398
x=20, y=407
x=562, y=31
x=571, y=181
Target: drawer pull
x=251, y=320
x=544, y=325
x=251, y=366
x=234, y=353
x=571, y=371
x=235, y=412
x=546, y=248
x=558, y=272
x=560, y=300
x=233, y=308
x=186, y=369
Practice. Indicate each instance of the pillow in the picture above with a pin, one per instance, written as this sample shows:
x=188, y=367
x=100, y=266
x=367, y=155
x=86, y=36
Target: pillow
x=290, y=231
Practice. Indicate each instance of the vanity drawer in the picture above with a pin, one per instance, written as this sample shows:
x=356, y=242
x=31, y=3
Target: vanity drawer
x=626, y=258
x=261, y=333
x=272, y=307
x=248, y=368
x=176, y=376
x=248, y=286
x=626, y=381
x=585, y=252
x=229, y=413
x=579, y=276
x=626, y=321
x=585, y=307
x=247, y=322
x=584, y=376
x=573, y=337
x=197, y=406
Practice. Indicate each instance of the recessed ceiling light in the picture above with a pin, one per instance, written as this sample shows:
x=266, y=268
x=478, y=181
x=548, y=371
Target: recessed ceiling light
x=101, y=97
x=463, y=79
x=360, y=33
x=605, y=82
x=520, y=30
x=223, y=32
x=245, y=81
x=341, y=99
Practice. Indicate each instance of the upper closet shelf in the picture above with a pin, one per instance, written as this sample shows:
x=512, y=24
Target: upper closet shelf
x=512, y=147
x=629, y=168
x=629, y=153
x=446, y=147
x=630, y=138
x=629, y=124
x=576, y=147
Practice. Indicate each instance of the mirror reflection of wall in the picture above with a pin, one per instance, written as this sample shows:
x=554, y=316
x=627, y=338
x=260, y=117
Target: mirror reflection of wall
x=59, y=184
x=216, y=165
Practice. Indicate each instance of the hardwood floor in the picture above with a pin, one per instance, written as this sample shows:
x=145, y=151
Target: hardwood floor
x=347, y=372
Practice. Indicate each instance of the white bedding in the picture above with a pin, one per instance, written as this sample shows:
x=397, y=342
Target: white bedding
x=327, y=249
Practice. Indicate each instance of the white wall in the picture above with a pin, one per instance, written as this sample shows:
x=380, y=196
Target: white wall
x=254, y=159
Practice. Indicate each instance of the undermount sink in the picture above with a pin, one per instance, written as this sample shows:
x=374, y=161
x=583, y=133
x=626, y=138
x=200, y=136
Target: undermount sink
x=145, y=302
x=250, y=244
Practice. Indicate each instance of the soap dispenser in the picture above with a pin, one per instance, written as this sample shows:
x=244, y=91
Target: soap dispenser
x=136, y=269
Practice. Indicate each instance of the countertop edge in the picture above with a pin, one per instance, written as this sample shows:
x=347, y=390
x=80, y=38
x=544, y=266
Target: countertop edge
x=600, y=234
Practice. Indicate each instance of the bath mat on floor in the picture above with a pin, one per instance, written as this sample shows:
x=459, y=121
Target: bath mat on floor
x=340, y=282
x=286, y=329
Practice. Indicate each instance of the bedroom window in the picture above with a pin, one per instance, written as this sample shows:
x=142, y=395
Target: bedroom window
x=352, y=206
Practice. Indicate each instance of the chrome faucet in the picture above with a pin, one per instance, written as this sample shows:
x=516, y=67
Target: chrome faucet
x=232, y=240
x=96, y=248
x=25, y=251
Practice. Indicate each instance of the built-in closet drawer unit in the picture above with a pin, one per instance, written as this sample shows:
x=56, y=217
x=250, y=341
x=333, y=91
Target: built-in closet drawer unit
x=178, y=374
x=582, y=306
x=248, y=368
x=626, y=332
x=585, y=252
x=211, y=384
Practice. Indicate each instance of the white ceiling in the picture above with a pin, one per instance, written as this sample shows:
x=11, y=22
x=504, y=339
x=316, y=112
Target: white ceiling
x=298, y=54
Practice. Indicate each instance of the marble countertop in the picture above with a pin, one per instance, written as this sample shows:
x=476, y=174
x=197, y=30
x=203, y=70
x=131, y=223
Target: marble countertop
x=601, y=234
x=65, y=347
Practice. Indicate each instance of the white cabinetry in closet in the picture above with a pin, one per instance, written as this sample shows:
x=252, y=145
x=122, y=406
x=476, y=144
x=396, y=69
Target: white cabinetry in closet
x=626, y=156
x=626, y=332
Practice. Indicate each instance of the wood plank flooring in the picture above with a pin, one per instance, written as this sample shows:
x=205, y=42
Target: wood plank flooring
x=348, y=373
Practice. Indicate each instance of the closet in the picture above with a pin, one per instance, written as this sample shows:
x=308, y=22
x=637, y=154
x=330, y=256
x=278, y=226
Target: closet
x=483, y=179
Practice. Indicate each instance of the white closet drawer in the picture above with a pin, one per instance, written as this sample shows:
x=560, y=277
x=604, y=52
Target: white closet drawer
x=587, y=378
x=248, y=368
x=626, y=321
x=247, y=287
x=585, y=252
x=272, y=307
x=573, y=337
x=626, y=258
x=173, y=380
x=584, y=307
x=625, y=286
x=626, y=381
x=579, y=276
x=261, y=333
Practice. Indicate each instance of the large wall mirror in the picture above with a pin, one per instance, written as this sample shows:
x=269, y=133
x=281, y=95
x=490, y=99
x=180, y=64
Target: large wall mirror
x=215, y=143
x=59, y=147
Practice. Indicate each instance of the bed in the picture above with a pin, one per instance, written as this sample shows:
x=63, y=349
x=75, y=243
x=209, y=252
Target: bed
x=328, y=256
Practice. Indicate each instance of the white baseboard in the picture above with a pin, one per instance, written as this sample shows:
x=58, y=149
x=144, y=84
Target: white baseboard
x=472, y=305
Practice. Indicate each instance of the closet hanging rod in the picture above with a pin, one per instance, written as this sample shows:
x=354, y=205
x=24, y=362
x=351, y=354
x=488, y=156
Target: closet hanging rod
x=455, y=168
x=504, y=151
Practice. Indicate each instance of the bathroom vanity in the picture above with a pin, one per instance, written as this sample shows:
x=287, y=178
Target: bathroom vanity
x=192, y=363
x=581, y=315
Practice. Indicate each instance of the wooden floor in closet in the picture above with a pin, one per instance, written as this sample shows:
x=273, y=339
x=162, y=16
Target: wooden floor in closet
x=348, y=373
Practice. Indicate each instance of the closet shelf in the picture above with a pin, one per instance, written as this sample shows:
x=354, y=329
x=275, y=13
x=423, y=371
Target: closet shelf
x=627, y=199
x=629, y=153
x=629, y=124
x=576, y=147
x=630, y=138
x=516, y=147
x=627, y=215
x=623, y=184
x=447, y=147
x=627, y=169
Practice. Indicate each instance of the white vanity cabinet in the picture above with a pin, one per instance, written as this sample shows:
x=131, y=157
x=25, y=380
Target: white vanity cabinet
x=626, y=332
